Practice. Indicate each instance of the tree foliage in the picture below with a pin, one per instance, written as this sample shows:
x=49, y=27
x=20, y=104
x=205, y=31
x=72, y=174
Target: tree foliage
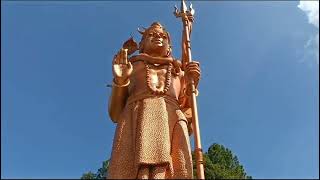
x=220, y=163
x=100, y=174
x=89, y=175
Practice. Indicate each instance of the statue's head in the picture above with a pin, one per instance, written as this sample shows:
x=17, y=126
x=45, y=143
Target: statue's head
x=155, y=41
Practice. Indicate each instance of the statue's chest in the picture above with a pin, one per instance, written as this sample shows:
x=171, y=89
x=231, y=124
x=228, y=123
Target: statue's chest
x=158, y=78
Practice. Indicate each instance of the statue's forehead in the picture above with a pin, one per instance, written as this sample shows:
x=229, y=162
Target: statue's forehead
x=156, y=29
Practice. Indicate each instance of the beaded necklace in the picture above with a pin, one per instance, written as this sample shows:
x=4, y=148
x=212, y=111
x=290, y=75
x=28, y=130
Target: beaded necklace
x=167, y=82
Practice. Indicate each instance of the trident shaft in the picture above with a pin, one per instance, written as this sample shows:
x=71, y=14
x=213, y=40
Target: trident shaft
x=187, y=18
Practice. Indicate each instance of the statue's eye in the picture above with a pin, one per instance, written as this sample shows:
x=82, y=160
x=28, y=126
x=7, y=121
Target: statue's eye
x=164, y=36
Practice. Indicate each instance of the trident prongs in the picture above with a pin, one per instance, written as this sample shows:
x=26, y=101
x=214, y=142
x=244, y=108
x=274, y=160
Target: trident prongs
x=183, y=7
x=176, y=11
x=191, y=10
x=184, y=10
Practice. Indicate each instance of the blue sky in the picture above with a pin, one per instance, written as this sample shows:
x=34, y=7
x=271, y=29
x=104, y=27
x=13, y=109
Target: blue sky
x=258, y=93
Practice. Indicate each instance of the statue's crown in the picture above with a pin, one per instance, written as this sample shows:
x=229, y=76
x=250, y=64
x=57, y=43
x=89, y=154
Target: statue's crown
x=156, y=24
x=152, y=26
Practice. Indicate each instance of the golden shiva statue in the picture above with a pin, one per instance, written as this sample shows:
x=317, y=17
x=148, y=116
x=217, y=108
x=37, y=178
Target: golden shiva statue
x=153, y=102
x=147, y=103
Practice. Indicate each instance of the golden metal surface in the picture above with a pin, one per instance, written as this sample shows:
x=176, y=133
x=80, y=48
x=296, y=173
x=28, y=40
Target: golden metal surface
x=148, y=102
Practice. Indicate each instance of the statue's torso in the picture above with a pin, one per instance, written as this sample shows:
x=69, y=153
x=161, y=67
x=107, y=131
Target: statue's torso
x=147, y=79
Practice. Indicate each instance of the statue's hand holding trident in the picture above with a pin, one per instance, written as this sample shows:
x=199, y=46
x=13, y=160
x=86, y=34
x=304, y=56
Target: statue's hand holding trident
x=121, y=68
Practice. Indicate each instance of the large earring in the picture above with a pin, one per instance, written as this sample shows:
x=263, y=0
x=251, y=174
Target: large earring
x=169, y=51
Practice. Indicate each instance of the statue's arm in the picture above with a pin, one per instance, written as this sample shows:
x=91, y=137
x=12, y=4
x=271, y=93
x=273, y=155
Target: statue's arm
x=192, y=71
x=185, y=102
x=122, y=70
x=117, y=100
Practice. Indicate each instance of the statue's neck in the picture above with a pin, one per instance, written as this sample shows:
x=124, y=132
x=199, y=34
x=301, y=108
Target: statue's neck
x=151, y=59
x=156, y=52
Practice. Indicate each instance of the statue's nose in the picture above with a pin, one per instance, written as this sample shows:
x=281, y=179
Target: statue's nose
x=157, y=35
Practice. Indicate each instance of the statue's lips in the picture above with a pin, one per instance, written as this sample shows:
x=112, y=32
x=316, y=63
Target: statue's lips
x=157, y=42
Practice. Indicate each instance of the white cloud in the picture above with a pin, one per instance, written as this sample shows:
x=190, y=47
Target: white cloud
x=311, y=8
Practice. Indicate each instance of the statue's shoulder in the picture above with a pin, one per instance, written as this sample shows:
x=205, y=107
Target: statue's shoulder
x=138, y=64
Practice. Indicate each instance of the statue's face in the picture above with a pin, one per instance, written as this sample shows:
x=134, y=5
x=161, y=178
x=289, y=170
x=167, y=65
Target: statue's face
x=156, y=42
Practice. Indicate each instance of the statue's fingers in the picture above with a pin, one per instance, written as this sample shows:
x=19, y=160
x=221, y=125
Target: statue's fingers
x=115, y=71
x=130, y=68
x=195, y=63
x=193, y=70
x=129, y=65
x=125, y=56
x=193, y=66
x=116, y=59
x=121, y=56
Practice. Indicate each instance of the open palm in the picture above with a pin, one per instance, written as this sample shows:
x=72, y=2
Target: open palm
x=122, y=69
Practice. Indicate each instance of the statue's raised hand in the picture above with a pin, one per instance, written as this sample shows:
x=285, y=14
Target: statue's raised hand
x=121, y=68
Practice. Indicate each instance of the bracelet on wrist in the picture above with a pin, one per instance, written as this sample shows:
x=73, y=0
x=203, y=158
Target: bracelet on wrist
x=121, y=85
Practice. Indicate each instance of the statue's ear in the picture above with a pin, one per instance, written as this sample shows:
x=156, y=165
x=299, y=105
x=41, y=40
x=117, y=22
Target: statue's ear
x=169, y=51
x=169, y=39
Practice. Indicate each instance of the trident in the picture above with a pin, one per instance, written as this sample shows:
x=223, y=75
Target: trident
x=187, y=20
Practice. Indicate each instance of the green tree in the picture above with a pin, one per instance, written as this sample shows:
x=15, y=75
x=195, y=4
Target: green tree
x=101, y=173
x=89, y=175
x=220, y=163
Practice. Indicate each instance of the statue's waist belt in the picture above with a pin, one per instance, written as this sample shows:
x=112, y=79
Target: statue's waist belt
x=168, y=99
